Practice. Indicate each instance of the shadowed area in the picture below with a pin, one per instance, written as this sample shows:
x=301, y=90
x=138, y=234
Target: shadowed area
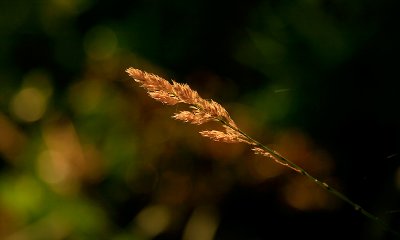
x=85, y=153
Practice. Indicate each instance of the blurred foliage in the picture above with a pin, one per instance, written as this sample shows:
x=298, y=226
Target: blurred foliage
x=83, y=155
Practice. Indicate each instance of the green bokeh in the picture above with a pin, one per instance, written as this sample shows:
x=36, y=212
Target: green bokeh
x=83, y=154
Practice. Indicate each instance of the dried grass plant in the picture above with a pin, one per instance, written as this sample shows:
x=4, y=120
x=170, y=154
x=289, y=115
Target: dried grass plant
x=202, y=110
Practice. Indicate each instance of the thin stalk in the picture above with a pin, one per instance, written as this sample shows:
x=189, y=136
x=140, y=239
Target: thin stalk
x=171, y=94
x=322, y=184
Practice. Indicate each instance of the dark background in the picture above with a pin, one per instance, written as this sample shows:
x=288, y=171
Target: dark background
x=84, y=155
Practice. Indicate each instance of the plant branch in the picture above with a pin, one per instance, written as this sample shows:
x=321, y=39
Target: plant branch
x=203, y=111
x=322, y=184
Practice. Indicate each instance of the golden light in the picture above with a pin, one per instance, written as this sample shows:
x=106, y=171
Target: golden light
x=63, y=164
x=202, y=224
x=53, y=167
x=29, y=104
x=153, y=220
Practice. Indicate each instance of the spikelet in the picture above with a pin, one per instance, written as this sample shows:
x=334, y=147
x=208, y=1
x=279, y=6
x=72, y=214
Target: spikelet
x=262, y=152
x=164, y=97
x=194, y=117
x=185, y=93
x=219, y=136
x=162, y=90
x=149, y=81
